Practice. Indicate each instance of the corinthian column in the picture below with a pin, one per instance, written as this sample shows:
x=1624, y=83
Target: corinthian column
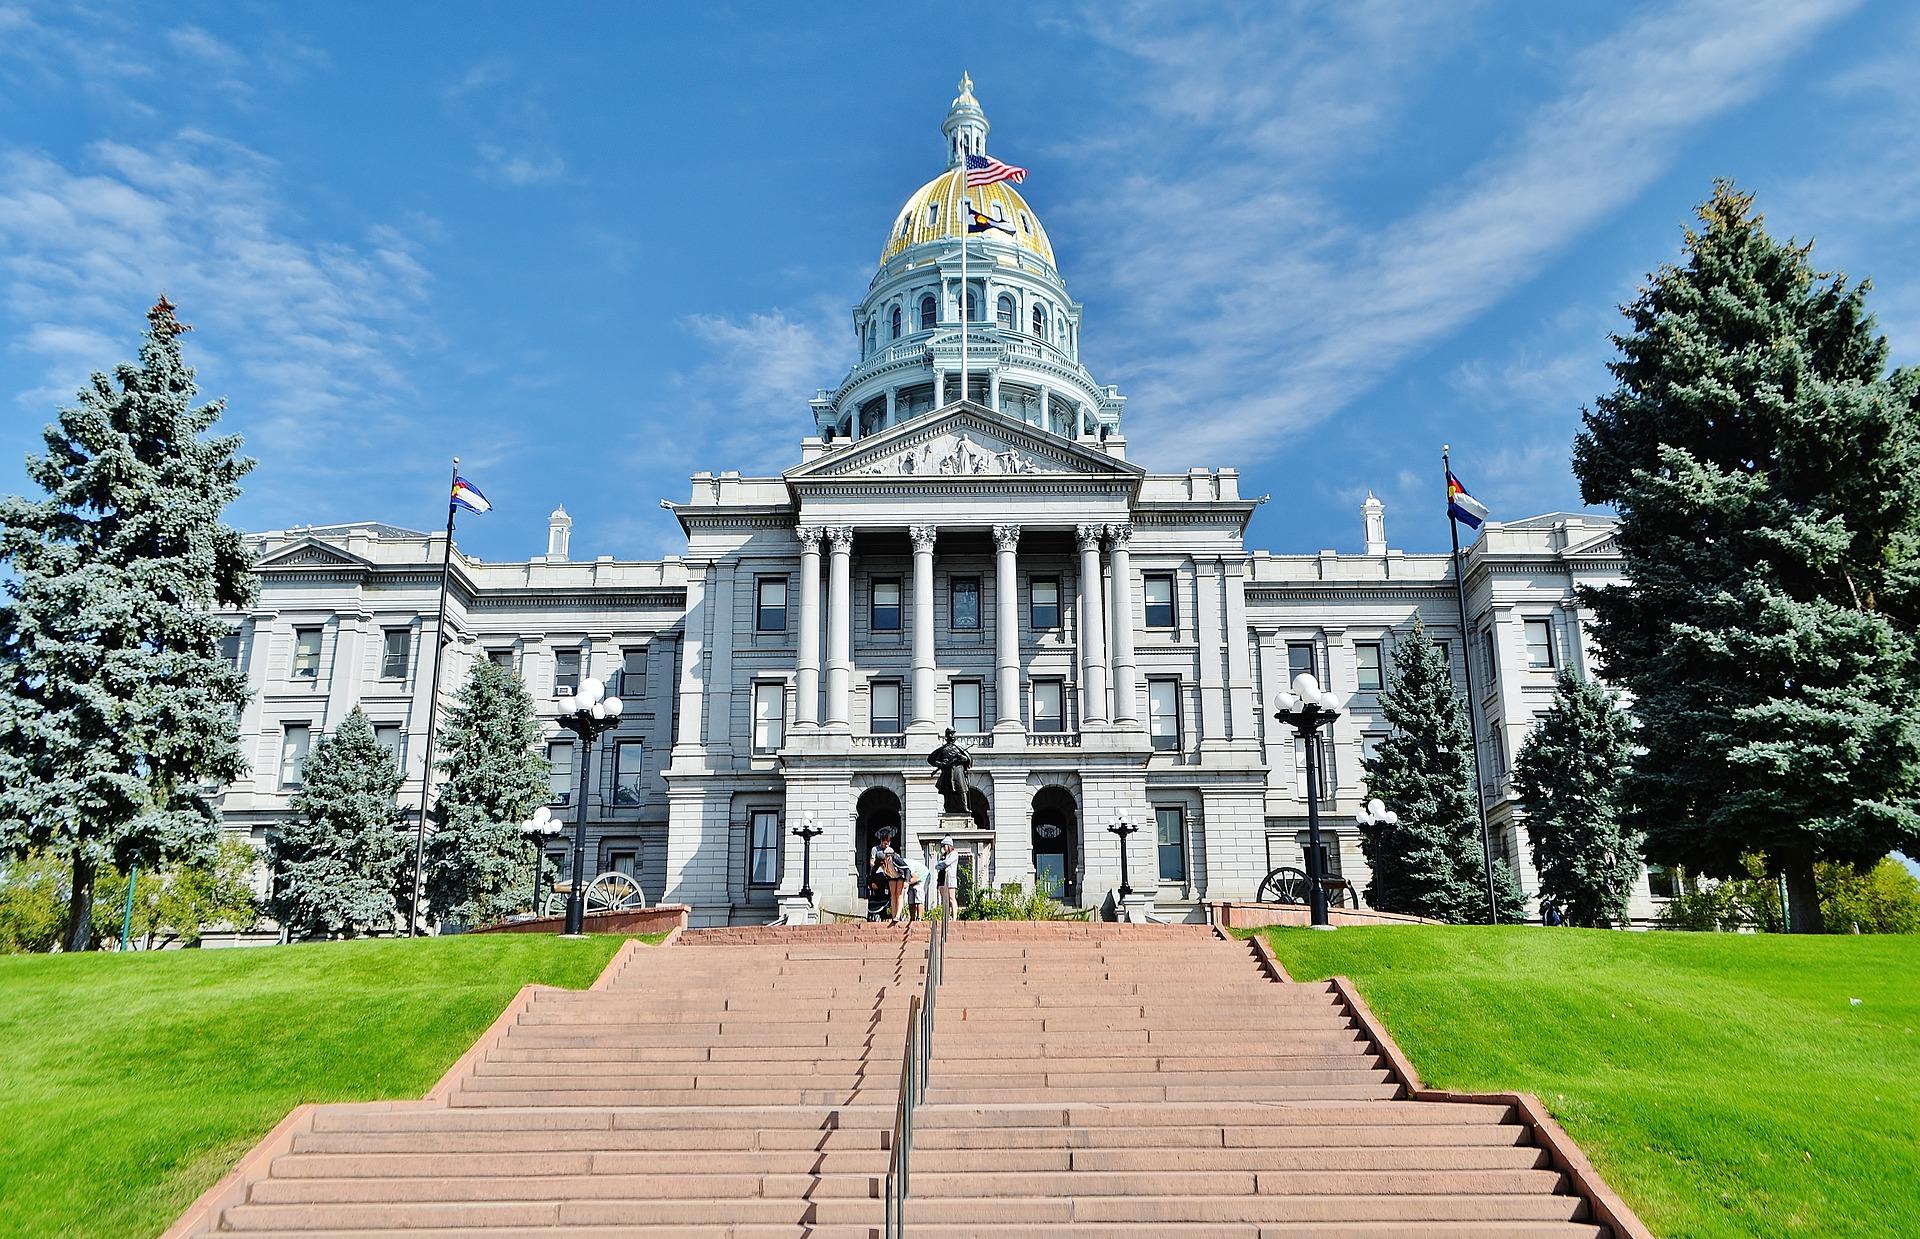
x=1126, y=675
x=806, y=680
x=1093, y=625
x=923, y=692
x=1006, y=629
x=840, y=616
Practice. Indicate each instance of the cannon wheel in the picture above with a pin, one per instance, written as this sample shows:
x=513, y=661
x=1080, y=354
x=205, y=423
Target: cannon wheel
x=614, y=892
x=1284, y=885
x=1341, y=894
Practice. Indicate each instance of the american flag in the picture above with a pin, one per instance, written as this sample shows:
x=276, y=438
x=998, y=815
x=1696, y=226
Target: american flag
x=985, y=170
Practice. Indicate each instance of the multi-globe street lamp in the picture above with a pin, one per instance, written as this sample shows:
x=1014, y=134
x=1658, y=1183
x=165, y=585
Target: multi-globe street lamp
x=538, y=829
x=806, y=832
x=1307, y=709
x=1123, y=828
x=586, y=714
x=1376, y=813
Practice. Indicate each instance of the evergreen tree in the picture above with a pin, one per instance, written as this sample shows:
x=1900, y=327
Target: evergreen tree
x=479, y=865
x=1568, y=776
x=115, y=704
x=1431, y=862
x=341, y=862
x=1766, y=469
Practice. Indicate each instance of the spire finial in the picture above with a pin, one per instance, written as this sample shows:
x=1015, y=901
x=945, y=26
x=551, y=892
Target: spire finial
x=966, y=125
x=966, y=87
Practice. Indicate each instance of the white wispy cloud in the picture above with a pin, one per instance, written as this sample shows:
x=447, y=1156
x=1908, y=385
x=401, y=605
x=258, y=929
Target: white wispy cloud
x=1268, y=310
x=744, y=397
x=520, y=167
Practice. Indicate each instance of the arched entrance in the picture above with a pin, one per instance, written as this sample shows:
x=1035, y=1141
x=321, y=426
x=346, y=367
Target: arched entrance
x=1056, y=843
x=877, y=807
x=977, y=805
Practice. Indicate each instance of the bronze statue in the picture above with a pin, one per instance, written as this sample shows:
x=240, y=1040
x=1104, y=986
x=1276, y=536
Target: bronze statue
x=953, y=763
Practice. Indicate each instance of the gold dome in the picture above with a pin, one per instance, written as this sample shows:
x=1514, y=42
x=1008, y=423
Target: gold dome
x=912, y=226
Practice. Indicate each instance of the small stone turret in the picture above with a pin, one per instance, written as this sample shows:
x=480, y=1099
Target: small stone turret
x=966, y=125
x=1374, y=513
x=559, y=532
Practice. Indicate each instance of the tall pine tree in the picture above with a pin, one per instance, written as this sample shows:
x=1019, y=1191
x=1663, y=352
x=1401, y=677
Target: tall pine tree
x=1766, y=469
x=479, y=865
x=115, y=704
x=1568, y=776
x=1430, y=862
x=341, y=861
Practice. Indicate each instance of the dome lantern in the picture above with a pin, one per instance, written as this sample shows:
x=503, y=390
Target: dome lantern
x=966, y=125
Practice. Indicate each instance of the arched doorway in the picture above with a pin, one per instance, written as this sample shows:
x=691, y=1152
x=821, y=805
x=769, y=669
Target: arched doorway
x=977, y=806
x=877, y=808
x=1056, y=843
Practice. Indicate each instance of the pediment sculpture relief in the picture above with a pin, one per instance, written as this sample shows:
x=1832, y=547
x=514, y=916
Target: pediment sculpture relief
x=956, y=455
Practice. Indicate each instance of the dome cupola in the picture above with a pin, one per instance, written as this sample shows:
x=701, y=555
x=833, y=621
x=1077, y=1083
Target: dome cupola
x=966, y=126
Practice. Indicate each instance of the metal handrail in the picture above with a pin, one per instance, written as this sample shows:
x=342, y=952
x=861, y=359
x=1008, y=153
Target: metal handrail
x=916, y=1061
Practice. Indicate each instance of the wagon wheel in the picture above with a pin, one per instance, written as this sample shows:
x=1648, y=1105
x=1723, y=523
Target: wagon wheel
x=614, y=892
x=1341, y=894
x=1284, y=885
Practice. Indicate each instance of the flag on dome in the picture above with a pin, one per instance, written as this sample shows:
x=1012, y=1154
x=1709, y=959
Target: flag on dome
x=1462, y=506
x=986, y=170
x=468, y=496
x=976, y=222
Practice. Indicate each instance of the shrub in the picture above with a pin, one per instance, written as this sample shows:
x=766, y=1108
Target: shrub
x=1882, y=900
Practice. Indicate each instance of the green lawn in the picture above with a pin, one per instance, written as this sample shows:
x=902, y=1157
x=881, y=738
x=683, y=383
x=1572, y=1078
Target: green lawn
x=129, y=1083
x=1724, y=1084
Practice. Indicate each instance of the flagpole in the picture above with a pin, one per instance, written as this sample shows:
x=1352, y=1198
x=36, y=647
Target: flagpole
x=966, y=224
x=1473, y=699
x=433, y=710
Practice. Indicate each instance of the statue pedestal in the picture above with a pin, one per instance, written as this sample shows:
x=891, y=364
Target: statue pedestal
x=1136, y=908
x=958, y=824
x=797, y=911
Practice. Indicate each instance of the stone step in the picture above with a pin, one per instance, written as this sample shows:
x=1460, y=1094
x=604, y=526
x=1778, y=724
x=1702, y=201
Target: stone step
x=1174, y=1139
x=986, y=1066
x=1397, y=1210
x=823, y=1118
x=1076, y=1230
x=1141, y=1094
x=877, y=1093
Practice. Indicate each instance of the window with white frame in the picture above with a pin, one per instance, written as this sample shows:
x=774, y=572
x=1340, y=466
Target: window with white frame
x=1539, y=642
x=230, y=649
x=396, y=644
x=1489, y=662
x=1163, y=713
x=963, y=603
x=771, y=613
x=1045, y=608
x=560, y=772
x=1157, y=594
x=1048, y=696
x=883, y=612
x=306, y=653
x=763, y=861
x=1300, y=658
x=927, y=313
x=966, y=707
x=633, y=675
x=769, y=716
x=884, y=707
x=393, y=738
x=1170, y=837
x=566, y=672
x=1329, y=851
x=1370, y=675
x=629, y=771
x=501, y=658
x=1370, y=743
x=294, y=738
x=1004, y=312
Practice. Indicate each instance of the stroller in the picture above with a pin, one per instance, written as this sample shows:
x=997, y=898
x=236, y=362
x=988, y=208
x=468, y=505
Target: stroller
x=877, y=896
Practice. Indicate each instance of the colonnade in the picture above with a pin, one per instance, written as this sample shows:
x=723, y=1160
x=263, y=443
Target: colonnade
x=1100, y=667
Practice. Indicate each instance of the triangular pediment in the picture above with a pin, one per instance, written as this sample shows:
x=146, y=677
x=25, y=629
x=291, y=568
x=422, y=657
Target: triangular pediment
x=310, y=553
x=963, y=440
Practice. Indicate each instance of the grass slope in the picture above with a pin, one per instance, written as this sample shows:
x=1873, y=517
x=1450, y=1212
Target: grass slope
x=129, y=1083
x=1724, y=1084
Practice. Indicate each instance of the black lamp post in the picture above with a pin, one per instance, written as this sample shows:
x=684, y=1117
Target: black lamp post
x=807, y=831
x=586, y=714
x=1123, y=828
x=1307, y=709
x=538, y=829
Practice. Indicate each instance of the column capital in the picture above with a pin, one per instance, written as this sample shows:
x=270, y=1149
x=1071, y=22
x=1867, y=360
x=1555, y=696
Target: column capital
x=1006, y=537
x=1120, y=535
x=1088, y=536
x=809, y=536
x=923, y=536
x=841, y=536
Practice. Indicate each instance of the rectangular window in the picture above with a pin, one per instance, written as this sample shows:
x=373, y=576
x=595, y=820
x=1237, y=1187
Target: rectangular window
x=963, y=603
x=1300, y=658
x=393, y=738
x=966, y=707
x=230, y=649
x=624, y=860
x=1047, y=699
x=1366, y=656
x=306, y=653
x=1170, y=834
x=1370, y=744
x=1488, y=663
x=1662, y=882
x=1158, y=590
x=501, y=658
x=763, y=865
x=885, y=710
x=566, y=672
x=771, y=614
x=1329, y=852
x=633, y=676
x=769, y=716
x=393, y=653
x=293, y=753
x=1539, y=643
x=629, y=764
x=1046, y=602
x=560, y=773
x=884, y=614
x=1163, y=714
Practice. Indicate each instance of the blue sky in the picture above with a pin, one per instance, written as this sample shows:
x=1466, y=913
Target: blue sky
x=592, y=249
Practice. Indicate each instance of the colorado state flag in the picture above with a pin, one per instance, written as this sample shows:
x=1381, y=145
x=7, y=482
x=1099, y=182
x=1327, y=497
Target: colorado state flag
x=1461, y=506
x=468, y=496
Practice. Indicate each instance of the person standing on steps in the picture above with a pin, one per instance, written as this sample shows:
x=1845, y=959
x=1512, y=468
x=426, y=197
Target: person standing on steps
x=945, y=871
x=919, y=878
x=889, y=864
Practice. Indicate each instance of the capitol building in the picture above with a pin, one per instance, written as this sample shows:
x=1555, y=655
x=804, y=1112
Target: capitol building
x=960, y=541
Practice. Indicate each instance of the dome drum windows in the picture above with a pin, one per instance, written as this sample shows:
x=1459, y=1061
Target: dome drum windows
x=929, y=312
x=896, y=322
x=1040, y=321
x=1004, y=312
